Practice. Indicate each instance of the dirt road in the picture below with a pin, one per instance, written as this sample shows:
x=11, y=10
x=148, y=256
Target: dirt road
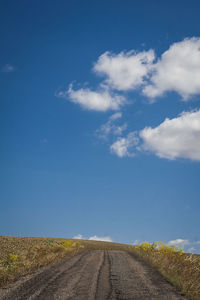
x=94, y=275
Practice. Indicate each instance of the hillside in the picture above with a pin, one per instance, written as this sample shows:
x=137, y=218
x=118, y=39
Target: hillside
x=20, y=256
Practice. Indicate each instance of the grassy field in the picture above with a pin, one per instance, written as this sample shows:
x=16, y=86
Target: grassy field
x=22, y=255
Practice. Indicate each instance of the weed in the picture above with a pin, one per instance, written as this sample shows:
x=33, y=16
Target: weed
x=181, y=269
x=11, y=261
x=20, y=256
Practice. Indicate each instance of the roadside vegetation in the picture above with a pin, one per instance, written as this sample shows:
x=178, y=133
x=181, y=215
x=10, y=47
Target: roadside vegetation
x=21, y=256
x=181, y=269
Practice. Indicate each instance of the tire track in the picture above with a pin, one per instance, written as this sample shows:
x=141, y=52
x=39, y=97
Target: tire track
x=38, y=281
x=76, y=282
x=134, y=279
x=64, y=282
x=95, y=275
x=103, y=287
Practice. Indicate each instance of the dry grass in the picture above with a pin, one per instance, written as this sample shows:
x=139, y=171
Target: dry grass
x=182, y=270
x=21, y=256
x=97, y=245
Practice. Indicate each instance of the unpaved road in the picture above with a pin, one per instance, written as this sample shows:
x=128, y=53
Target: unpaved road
x=94, y=275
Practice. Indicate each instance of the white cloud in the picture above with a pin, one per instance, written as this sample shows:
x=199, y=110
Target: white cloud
x=179, y=243
x=177, y=70
x=93, y=238
x=78, y=237
x=126, y=70
x=115, y=116
x=172, y=139
x=136, y=242
x=110, y=127
x=124, y=145
x=187, y=245
x=98, y=238
x=175, y=138
x=8, y=68
x=101, y=100
x=191, y=250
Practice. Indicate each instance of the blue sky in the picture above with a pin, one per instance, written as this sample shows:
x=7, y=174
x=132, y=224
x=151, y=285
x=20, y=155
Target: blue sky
x=100, y=120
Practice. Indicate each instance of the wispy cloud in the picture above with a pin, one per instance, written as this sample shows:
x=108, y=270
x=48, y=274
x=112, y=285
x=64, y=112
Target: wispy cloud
x=124, y=146
x=98, y=238
x=187, y=245
x=94, y=238
x=78, y=237
x=191, y=250
x=101, y=100
x=136, y=242
x=110, y=127
x=181, y=243
x=8, y=68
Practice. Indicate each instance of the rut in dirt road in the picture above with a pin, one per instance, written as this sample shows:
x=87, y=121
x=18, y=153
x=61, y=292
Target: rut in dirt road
x=94, y=275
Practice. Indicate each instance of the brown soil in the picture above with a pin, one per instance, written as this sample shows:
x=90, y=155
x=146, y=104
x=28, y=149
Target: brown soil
x=97, y=274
